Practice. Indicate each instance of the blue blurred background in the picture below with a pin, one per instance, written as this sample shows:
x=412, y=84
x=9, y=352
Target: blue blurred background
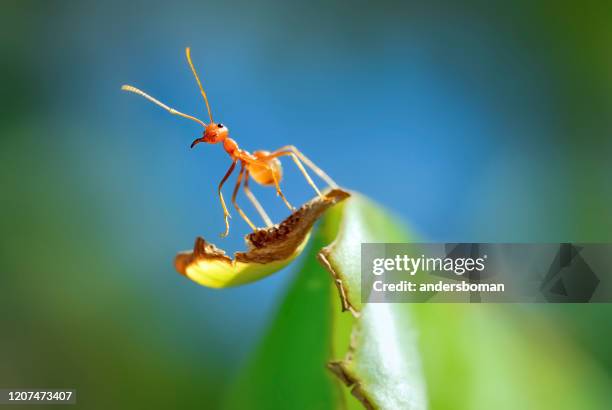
x=473, y=123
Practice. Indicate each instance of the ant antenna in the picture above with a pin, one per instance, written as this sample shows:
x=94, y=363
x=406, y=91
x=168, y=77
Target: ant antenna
x=161, y=104
x=195, y=74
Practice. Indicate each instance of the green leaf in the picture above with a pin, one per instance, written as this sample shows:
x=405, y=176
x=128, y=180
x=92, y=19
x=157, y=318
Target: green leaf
x=313, y=349
x=382, y=365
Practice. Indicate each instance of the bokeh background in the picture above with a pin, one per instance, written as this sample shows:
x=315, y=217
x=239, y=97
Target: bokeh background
x=473, y=122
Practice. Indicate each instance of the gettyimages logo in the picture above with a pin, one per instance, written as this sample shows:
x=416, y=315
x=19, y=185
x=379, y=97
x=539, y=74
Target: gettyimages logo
x=411, y=265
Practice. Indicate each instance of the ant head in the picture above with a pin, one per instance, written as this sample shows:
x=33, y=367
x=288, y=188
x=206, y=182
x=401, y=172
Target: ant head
x=215, y=133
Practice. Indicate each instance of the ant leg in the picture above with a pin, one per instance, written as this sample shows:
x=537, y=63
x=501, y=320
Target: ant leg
x=236, y=188
x=309, y=164
x=280, y=193
x=295, y=159
x=255, y=202
x=226, y=214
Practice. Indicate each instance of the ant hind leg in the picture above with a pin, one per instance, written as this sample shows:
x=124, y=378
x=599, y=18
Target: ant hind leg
x=263, y=162
x=295, y=159
x=309, y=164
x=255, y=202
x=280, y=192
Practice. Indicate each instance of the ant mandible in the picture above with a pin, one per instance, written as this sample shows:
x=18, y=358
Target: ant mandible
x=263, y=166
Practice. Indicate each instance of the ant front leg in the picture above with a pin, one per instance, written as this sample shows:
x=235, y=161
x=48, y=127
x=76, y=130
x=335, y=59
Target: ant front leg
x=226, y=214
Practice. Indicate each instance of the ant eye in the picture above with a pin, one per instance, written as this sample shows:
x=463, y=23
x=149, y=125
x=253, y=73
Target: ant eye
x=220, y=125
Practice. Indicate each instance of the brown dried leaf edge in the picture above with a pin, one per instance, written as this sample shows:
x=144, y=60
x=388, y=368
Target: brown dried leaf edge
x=268, y=245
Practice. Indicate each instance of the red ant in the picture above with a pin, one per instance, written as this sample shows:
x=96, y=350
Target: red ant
x=263, y=166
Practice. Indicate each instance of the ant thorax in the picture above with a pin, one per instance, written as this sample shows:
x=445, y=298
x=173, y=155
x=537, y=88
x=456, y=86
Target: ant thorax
x=231, y=147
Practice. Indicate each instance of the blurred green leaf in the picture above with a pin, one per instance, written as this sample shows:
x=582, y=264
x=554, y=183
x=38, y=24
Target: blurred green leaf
x=504, y=356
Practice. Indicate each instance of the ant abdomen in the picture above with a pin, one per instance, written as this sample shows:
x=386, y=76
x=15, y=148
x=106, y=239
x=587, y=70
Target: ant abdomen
x=266, y=174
